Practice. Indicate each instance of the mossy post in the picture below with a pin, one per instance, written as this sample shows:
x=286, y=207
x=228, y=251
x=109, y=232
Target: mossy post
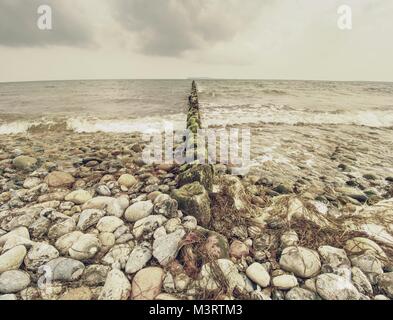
x=196, y=179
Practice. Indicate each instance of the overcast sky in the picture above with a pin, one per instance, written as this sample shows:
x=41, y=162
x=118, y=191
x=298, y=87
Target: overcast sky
x=264, y=39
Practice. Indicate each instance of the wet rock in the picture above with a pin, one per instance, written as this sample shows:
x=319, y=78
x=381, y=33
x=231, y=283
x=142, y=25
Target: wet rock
x=194, y=200
x=139, y=211
x=333, y=257
x=300, y=294
x=24, y=163
x=203, y=174
x=58, y=179
x=89, y=218
x=127, y=180
x=385, y=284
x=85, y=247
x=303, y=262
x=166, y=248
x=333, y=287
x=13, y=281
x=65, y=269
x=147, y=284
x=109, y=224
x=78, y=197
x=117, y=286
x=39, y=254
x=257, y=273
x=138, y=259
x=284, y=282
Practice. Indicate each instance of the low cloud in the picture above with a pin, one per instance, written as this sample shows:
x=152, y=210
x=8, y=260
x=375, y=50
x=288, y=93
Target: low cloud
x=18, y=24
x=169, y=28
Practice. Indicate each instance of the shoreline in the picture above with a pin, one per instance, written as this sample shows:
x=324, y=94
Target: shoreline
x=111, y=227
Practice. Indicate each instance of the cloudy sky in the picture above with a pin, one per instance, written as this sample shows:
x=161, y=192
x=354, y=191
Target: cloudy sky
x=264, y=39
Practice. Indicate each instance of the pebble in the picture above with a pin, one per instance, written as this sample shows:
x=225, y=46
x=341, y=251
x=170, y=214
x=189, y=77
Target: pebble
x=12, y=259
x=238, y=249
x=65, y=269
x=117, y=286
x=127, y=180
x=165, y=249
x=257, y=273
x=13, y=281
x=138, y=259
x=78, y=196
x=24, y=163
x=285, y=282
x=95, y=275
x=146, y=226
x=85, y=247
x=64, y=243
x=58, y=179
x=333, y=256
x=303, y=262
x=147, y=283
x=89, y=218
x=385, y=284
x=300, y=294
x=39, y=254
x=109, y=224
x=333, y=287
x=138, y=211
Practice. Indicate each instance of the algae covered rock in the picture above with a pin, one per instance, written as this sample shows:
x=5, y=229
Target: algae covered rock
x=199, y=173
x=193, y=200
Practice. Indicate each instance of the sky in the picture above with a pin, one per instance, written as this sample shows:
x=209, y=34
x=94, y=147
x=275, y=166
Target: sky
x=167, y=39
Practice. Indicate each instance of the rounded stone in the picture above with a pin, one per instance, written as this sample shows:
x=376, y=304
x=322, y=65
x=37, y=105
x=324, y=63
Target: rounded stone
x=59, y=179
x=285, y=282
x=109, y=224
x=117, y=286
x=24, y=163
x=303, y=262
x=12, y=259
x=257, y=273
x=85, y=247
x=14, y=281
x=138, y=211
x=78, y=196
x=127, y=180
x=65, y=269
x=147, y=284
x=333, y=287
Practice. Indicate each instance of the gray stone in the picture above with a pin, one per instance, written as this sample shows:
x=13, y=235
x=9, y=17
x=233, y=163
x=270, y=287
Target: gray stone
x=257, y=273
x=109, y=224
x=333, y=257
x=65, y=269
x=361, y=282
x=86, y=247
x=95, y=275
x=300, y=294
x=117, y=286
x=12, y=259
x=303, y=262
x=385, y=284
x=146, y=227
x=39, y=254
x=284, y=282
x=89, y=218
x=139, y=210
x=138, y=259
x=14, y=281
x=166, y=248
x=333, y=287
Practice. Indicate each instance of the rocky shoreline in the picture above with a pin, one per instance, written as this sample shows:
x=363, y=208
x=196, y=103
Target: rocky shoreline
x=82, y=217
